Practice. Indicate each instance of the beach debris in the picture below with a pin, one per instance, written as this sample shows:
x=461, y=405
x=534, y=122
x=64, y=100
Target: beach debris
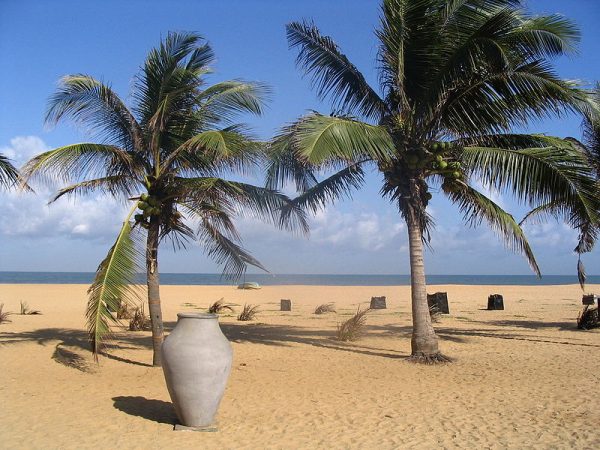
x=590, y=299
x=325, y=308
x=248, y=312
x=353, y=328
x=26, y=311
x=378, y=303
x=495, y=302
x=249, y=285
x=439, y=301
x=139, y=320
x=286, y=305
x=4, y=314
x=220, y=306
x=588, y=318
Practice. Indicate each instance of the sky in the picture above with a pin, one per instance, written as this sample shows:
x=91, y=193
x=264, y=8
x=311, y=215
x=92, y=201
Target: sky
x=40, y=41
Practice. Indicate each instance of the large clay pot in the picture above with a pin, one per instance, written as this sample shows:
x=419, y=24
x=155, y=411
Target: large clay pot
x=196, y=363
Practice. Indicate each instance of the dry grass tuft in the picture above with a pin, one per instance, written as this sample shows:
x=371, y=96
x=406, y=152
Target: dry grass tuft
x=436, y=315
x=325, y=308
x=26, y=311
x=353, y=328
x=248, y=313
x=4, y=314
x=220, y=306
x=139, y=320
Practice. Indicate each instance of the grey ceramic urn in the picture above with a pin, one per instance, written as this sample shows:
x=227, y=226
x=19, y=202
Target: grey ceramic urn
x=196, y=363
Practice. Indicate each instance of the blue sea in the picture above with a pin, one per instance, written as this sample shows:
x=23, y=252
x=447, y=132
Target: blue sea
x=289, y=279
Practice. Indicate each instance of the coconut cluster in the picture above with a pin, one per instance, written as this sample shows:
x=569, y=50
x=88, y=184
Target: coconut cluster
x=149, y=206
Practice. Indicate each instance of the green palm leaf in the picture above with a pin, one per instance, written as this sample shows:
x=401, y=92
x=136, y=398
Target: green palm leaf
x=79, y=161
x=476, y=208
x=322, y=139
x=332, y=73
x=113, y=284
x=9, y=175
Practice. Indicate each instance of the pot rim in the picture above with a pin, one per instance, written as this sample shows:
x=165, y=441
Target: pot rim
x=192, y=315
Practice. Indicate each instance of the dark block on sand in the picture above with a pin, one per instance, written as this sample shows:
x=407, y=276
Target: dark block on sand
x=286, y=305
x=378, y=303
x=495, y=302
x=439, y=301
x=590, y=299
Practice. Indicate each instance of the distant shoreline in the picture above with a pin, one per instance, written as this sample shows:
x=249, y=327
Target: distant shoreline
x=184, y=279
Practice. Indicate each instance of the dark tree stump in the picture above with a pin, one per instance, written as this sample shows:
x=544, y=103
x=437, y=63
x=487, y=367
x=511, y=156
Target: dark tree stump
x=590, y=299
x=286, y=305
x=439, y=301
x=378, y=303
x=495, y=302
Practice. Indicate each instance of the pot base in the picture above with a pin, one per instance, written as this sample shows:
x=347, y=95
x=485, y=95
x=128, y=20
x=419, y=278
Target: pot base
x=207, y=429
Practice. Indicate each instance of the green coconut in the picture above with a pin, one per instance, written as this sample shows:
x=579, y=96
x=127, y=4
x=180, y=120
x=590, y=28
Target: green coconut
x=143, y=205
x=442, y=165
x=153, y=201
x=435, y=147
x=439, y=158
x=456, y=174
x=144, y=197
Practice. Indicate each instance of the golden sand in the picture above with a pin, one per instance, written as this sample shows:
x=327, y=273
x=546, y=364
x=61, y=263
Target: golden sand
x=522, y=378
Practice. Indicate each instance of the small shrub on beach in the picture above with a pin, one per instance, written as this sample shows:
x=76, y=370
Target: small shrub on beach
x=325, y=308
x=139, y=320
x=124, y=312
x=353, y=328
x=26, y=311
x=248, y=313
x=588, y=318
x=219, y=307
x=4, y=314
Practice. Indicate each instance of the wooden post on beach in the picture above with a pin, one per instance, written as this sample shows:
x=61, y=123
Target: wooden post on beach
x=495, y=302
x=286, y=305
x=378, y=303
x=590, y=299
x=439, y=301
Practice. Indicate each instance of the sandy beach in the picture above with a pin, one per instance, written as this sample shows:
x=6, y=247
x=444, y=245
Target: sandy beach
x=521, y=378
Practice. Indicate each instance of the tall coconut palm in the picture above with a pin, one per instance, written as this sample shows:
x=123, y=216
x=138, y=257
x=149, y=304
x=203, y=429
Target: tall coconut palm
x=456, y=77
x=8, y=173
x=587, y=226
x=166, y=156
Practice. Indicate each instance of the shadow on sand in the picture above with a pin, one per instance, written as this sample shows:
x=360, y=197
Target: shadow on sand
x=155, y=410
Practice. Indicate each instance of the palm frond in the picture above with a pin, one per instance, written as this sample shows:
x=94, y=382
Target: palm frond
x=222, y=102
x=113, y=284
x=9, y=175
x=476, y=208
x=332, y=73
x=94, y=105
x=323, y=139
x=226, y=252
x=556, y=175
x=79, y=161
x=116, y=186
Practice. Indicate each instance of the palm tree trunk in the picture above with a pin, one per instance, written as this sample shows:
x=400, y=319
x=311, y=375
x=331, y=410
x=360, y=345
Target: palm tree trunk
x=153, y=290
x=424, y=341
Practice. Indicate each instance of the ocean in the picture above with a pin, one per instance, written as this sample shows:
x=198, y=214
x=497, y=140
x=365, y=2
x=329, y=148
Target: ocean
x=290, y=279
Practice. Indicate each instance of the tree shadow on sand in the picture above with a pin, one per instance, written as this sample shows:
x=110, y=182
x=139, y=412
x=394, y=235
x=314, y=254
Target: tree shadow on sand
x=63, y=338
x=154, y=410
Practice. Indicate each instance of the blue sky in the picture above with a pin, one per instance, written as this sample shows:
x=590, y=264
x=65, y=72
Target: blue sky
x=40, y=41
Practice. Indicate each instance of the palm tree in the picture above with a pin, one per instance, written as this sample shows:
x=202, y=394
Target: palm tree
x=9, y=175
x=456, y=77
x=588, y=226
x=167, y=155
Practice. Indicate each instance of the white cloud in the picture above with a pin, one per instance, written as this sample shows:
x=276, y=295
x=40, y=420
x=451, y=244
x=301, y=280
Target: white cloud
x=28, y=215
